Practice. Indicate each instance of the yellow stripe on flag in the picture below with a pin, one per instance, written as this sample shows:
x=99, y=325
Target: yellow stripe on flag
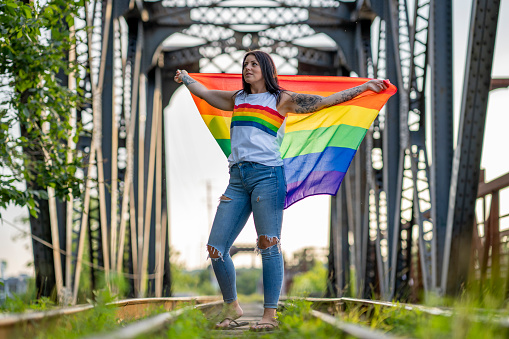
x=331, y=116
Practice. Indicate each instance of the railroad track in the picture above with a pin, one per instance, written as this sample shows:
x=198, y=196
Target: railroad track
x=150, y=316
x=21, y=325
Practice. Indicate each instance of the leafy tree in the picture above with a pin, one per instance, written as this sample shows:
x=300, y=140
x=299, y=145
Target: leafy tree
x=247, y=280
x=311, y=283
x=35, y=105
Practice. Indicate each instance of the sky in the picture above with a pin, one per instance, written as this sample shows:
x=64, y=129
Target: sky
x=194, y=161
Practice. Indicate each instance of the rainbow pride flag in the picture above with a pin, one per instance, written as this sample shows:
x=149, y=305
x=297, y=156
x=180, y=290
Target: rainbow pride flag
x=318, y=147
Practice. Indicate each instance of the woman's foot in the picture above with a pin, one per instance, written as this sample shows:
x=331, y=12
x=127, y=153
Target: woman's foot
x=268, y=321
x=229, y=312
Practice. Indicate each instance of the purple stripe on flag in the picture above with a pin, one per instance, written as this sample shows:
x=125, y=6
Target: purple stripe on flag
x=316, y=182
x=330, y=159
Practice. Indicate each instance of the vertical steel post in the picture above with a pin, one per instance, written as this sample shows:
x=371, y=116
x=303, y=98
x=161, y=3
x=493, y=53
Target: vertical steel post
x=440, y=65
x=106, y=151
x=467, y=156
x=391, y=147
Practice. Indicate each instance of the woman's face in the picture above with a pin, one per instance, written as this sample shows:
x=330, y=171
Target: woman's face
x=251, y=70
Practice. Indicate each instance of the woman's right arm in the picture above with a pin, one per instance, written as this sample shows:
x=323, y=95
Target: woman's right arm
x=222, y=100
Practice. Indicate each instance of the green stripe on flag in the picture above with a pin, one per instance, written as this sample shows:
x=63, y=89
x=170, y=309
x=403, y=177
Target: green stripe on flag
x=315, y=141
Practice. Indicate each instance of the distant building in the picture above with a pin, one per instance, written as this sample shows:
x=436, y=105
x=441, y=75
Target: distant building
x=13, y=285
x=16, y=285
x=3, y=288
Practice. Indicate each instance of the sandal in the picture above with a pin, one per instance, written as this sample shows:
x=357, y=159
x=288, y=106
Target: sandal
x=267, y=327
x=233, y=324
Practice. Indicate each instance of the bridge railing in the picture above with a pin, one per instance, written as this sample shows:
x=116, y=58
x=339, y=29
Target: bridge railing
x=490, y=250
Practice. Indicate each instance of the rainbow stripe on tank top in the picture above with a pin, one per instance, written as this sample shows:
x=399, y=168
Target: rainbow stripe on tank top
x=261, y=117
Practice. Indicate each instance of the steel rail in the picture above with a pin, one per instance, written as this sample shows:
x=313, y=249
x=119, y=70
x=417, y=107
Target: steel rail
x=350, y=329
x=355, y=330
x=14, y=324
x=481, y=315
x=339, y=303
x=155, y=323
x=10, y=324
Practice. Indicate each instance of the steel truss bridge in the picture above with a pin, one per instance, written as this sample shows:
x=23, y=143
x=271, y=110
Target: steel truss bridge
x=406, y=223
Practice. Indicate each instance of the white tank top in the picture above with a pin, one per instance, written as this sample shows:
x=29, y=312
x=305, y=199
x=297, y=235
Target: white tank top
x=254, y=130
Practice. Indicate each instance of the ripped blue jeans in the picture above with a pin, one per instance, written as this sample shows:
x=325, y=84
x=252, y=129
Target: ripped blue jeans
x=261, y=190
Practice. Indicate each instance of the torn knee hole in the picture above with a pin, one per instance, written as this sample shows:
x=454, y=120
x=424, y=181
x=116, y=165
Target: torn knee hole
x=224, y=198
x=266, y=242
x=213, y=253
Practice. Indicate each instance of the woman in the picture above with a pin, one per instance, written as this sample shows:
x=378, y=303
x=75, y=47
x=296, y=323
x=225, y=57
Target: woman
x=257, y=181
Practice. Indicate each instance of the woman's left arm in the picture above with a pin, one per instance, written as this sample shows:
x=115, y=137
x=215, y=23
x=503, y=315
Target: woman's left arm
x=308, y=103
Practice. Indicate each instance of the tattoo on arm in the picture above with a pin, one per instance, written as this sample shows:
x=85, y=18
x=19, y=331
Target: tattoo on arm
x=306, y=103
x=187, y=80
x=347, y=94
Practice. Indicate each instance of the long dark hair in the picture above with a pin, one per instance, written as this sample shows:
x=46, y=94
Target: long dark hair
x=269, y=73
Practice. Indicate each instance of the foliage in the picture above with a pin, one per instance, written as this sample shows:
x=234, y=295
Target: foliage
x=197, y=282
x=312, y=282
x=191, y=325
x=101, y=318
x=296, y=322
x=26, y=302
x=250, y=299
x=34, y=103
x=17, y=304
x=191, y=282
x=247, y=280
x=467, y=320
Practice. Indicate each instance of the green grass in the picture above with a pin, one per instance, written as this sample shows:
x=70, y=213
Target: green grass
x=485, y=299
x=26, y=302
x=465, y=321
x=295, y=322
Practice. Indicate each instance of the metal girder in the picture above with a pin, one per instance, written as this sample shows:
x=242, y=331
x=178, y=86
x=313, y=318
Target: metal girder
x=153, y=37
x=378, y=221
x=127, y=204
x=153, y=138
x=95, y=249
x=328, y=14
x=391, y=154
x=345, y=39
x=499, y=83
x=326, y=60
x=100, y=16
x=366, y=248
x=467, y=156
x=411, y=201
x=338, y=281
x=107, y=121
x=440, y=55
x=43, y=256
x=339, y=251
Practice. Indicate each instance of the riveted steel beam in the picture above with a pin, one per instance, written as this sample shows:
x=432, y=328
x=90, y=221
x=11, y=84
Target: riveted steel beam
x=440, y=55
x=467, y=156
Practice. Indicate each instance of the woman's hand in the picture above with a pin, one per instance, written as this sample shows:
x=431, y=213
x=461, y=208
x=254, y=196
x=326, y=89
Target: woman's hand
x=377, y=85
x=223, y=100
x=179, y=75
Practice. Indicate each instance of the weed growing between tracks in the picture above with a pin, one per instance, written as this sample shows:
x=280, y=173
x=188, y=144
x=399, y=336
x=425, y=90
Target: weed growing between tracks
x=464, y=319
x=295, y=323
x=17, y=304
x=101, y=318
